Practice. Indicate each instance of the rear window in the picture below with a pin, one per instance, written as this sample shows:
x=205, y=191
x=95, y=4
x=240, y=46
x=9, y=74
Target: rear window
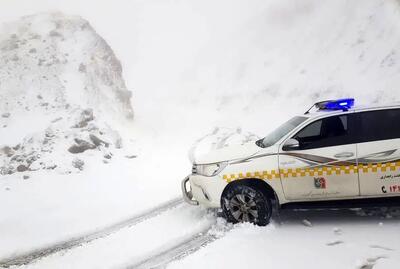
x=379, y=125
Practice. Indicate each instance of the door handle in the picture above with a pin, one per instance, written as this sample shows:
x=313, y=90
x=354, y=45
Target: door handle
x=344, y=155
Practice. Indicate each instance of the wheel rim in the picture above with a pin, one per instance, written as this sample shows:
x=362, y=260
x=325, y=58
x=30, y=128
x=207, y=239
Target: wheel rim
x=243, y=208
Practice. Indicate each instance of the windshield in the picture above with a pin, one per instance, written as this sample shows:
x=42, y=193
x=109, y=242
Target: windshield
x=278, y=133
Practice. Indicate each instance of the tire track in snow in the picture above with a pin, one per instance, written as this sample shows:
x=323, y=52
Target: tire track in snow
x=178, y=251
x=78, y=241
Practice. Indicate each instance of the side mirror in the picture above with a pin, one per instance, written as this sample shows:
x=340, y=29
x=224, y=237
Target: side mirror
x=291, y=144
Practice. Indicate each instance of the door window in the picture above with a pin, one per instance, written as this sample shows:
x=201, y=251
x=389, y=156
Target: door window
x=379, y=125
x=327, y=132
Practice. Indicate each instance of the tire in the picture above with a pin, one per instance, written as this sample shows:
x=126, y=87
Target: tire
x=243, y=203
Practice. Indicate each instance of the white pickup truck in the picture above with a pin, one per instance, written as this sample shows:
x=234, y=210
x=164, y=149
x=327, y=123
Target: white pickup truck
x=335, y=155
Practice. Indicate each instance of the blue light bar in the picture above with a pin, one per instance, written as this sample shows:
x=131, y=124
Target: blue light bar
x=340, y=104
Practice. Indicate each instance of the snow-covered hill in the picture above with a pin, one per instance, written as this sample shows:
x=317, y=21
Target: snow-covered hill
x=227, y=63
x=236, y=63
x=61, y=91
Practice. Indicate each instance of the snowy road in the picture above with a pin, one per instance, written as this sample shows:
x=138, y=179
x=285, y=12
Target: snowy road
x=62, y=246
x=177, y=252
x=156, y=238
x=176, y=235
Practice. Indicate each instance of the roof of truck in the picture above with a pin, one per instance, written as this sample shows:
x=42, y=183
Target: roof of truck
x=354, y=108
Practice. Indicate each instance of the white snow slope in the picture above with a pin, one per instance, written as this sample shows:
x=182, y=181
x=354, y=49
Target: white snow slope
x=194, y=66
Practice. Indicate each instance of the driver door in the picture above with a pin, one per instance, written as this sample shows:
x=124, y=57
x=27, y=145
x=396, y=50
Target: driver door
x=324, y=163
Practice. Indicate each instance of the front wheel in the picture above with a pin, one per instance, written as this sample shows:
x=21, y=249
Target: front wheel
x=244, y=203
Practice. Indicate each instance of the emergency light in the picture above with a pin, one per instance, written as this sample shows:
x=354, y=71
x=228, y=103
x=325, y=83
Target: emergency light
x=339, y=104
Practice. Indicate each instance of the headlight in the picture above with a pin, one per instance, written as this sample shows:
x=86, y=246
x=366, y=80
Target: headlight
x=209, y=170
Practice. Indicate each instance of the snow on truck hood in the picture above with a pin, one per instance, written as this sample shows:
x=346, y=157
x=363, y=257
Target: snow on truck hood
x=229, y=153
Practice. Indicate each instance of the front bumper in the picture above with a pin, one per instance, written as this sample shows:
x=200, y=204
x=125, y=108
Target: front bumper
x=188, y=195
x=205, y=191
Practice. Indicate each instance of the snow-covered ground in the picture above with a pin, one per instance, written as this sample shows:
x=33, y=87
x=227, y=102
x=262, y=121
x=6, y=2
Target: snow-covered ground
x=193, y=68
x=133, y=244
x=307, y=239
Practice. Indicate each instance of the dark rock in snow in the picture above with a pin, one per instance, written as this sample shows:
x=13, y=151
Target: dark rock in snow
x=7, y=170
x=85, y=117
x=30, y=159
x=6, y=115
x=97, y=141
x=25, y=177
x=17, y=147
x=8, y=151
x=75, y=149
x=56, y=119
x=22, y=168
x=78, y=163
x=18, y=158
x=81, y=146
x=51, y=167
x=54, y=33
x=82, y=68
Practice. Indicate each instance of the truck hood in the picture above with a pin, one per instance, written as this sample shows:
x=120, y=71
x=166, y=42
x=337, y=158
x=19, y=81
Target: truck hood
x=229, y=153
